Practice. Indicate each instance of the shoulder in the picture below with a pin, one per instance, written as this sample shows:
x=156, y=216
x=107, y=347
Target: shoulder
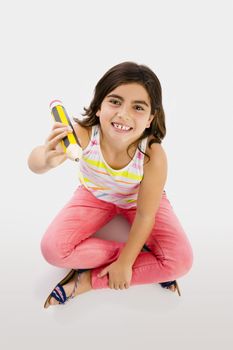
x=157, y=154
x=83, y=134
x=154, y=169
x=153, y=182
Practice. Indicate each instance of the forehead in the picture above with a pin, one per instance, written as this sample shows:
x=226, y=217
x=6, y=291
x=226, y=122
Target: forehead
x=132, y=91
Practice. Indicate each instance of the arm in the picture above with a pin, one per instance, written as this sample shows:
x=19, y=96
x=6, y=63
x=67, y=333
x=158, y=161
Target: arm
x=149, y=197
x=36, y=160
x=48, y=156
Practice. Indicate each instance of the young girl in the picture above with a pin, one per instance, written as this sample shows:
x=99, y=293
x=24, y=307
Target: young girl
x=123, y=170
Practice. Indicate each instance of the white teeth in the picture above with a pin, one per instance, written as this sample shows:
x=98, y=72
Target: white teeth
x=121, y=127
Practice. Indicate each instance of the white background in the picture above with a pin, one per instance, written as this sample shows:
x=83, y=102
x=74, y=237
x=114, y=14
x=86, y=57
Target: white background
x=60, y=49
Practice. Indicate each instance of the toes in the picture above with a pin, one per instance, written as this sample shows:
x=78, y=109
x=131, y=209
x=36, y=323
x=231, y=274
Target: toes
x=172, y=288
x=53, y=301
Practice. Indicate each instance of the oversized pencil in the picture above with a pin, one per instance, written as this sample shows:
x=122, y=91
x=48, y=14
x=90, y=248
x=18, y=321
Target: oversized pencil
x=70, y=142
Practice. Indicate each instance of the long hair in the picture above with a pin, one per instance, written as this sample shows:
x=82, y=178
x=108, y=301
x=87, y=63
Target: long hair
x=123, y=73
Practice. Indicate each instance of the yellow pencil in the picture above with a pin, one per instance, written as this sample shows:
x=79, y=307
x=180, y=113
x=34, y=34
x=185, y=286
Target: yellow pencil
x=70, y=142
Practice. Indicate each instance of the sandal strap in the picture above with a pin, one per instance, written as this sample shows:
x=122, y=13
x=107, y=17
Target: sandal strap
x=59, y=294
x=76, y=279
x=82, y=270
x=168, y=284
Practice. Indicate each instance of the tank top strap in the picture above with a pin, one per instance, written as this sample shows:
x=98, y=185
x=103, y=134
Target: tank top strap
x=94, y=131
x=143, y=144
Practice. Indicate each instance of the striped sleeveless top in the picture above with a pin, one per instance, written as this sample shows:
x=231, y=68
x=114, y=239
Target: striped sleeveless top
x=119, y=187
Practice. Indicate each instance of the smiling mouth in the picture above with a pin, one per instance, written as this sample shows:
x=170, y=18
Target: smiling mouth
x=121, y=127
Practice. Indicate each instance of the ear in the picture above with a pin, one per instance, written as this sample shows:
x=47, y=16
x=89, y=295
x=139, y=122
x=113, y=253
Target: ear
x=98, y=113
x=152, y=116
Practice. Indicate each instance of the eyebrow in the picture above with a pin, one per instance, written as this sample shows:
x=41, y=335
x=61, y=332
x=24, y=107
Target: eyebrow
x=136, y=101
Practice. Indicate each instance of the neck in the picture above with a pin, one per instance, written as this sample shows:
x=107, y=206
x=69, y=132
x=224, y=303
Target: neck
x=117, y=149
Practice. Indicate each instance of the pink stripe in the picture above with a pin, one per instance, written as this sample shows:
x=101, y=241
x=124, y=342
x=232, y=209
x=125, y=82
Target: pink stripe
x=54, y=101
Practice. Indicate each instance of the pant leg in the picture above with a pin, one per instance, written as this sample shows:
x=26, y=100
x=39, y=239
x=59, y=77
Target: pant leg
x=171, y=254
x=67, y=242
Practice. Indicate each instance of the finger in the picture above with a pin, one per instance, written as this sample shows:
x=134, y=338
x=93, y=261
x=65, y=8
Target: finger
x=54, y=153
x=59, y=148
x=127, y=285
x=116, y=286
x=51, y=144
x=102, y=273
x=58, y=125
x=122, y=285
x=56, y=132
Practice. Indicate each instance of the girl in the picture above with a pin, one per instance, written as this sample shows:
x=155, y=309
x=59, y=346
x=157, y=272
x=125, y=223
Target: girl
x=123, y=171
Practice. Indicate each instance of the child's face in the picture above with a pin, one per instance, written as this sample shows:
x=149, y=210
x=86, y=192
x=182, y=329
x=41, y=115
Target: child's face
x=128, y=105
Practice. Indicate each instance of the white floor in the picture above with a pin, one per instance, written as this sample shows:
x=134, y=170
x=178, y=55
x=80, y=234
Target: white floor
x=135, y=318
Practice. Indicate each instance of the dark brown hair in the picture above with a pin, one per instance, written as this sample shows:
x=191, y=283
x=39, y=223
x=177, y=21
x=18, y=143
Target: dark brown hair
x=124, y=73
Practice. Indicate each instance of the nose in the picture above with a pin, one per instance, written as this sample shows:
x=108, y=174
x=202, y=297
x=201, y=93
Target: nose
x=123, y=113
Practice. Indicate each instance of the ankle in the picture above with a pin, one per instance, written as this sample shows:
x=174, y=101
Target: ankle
x=85, y=278
x=88, y=277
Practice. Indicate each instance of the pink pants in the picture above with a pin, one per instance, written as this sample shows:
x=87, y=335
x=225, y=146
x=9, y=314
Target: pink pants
x=68, y=243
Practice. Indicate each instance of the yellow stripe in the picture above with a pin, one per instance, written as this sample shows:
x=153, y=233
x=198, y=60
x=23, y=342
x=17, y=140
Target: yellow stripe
x=99, y=188
x=71, y=138
x=62, y=115
x=120, y=181
x=81, y=179
x=63, y=146
x=107, y=188
x=64, y=120
x=123, y=173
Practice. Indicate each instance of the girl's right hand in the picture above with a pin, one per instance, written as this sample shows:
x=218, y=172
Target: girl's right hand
x=54, y=153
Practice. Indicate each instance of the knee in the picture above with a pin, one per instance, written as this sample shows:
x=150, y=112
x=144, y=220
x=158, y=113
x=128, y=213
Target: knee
x=185, y=259
x=51, y=251
x=181, y=262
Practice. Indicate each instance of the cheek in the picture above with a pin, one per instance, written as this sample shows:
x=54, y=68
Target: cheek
x=142, y=122
x=107, y=112
x=105, y=117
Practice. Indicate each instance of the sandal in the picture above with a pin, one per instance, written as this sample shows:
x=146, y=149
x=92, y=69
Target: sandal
x=169, y=283
x=59, y=293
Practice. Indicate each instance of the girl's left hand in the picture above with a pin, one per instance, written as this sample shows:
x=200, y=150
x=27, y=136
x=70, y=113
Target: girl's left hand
x=119, y=275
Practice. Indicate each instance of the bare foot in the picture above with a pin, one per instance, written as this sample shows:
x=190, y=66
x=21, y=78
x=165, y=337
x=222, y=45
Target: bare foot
x=84, y=285
x=172, y=288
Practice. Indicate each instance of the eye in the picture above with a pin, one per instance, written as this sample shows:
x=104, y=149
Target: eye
x=114, y=101
x=141, y=109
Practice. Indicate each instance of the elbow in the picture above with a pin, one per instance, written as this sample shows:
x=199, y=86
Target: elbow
x=29, y=164
x=33, y=168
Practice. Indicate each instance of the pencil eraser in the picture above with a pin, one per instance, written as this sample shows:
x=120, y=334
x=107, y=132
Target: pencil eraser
x=54, y=103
